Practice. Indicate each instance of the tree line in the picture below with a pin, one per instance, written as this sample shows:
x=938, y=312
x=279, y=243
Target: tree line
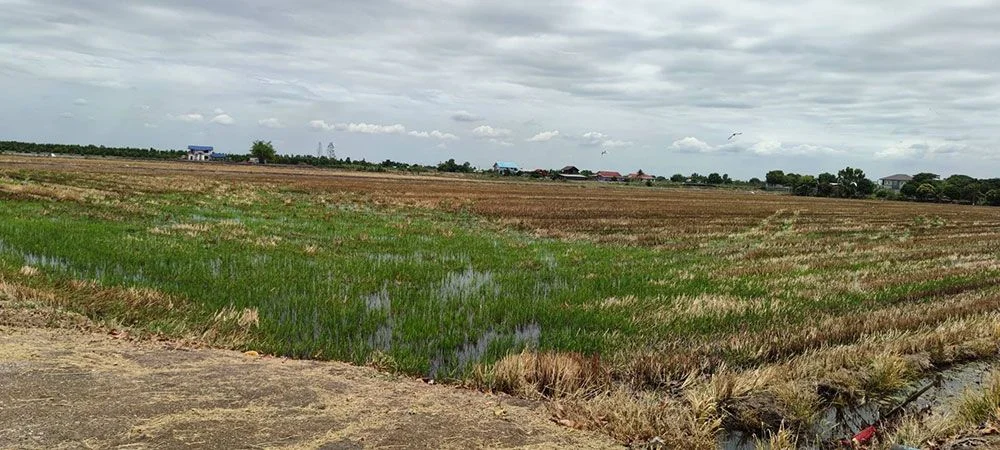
x=925, y=187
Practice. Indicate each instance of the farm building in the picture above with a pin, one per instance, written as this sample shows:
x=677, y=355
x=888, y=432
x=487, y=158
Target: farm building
x=505, y=167
x=573, y=177
x=570, y=170
x=639, y=176
x=199, y=152
x=215, y=156
x=608, y=175
x=895, y=182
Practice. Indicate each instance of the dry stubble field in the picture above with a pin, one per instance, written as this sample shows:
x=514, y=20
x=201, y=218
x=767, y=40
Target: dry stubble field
x=646, y=313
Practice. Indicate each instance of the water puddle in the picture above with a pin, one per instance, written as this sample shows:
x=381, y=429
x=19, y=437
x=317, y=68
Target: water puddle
x=843, y=422
x=523, y=336
x=461, y=285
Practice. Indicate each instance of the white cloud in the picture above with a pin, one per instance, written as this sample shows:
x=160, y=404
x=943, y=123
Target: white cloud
x=598, y=139
x=691, y=145
x=370, y=128
x=486, y=131
x=594, y=138
x=611, y=144
x=270, y=123
x=218, y=111
x=319, y=125
x=190, y=117
x=223, y=119
x=80, y=102
x=544, y=136
x=434, y=134
x=465, y=116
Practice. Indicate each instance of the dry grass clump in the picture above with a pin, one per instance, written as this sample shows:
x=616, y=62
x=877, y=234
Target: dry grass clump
x=548, y=374
x=231, y=327
x=28, y=271
x=644, y=418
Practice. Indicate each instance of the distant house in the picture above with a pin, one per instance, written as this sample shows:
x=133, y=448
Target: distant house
x=505, y=167
x=215, y=156
x=199, y=152
x=537, y=173
x=635, y=176
x=608, y=175
x=895, y=182
x=570, y=170
x=573, y=177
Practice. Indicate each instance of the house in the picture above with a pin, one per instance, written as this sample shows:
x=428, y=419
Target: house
x=505, y=167
x=895, y=182
x=218, y=156
x=199, y=152
x=636, y=176
x=570, y=170
x=537, y=173
x=573, y=177
x=608, y=175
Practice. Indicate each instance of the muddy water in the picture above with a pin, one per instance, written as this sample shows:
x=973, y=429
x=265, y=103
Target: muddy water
x=842, y=422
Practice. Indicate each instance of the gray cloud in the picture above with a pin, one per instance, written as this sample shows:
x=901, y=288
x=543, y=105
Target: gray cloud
x=817, y=84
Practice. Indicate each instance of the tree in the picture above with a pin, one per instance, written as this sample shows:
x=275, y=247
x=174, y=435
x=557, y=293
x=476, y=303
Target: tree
x=827, y=177
x=853, y=183
x=587, y=173
x=754, y=180
x=726, y=179
x=775, y=177
x=926, y=191
x=714, y=178
x=992, y=197
x=263, y=151
x=677, y=178
x=807, y=186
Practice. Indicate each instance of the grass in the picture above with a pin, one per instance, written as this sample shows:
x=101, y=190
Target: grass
x=645, y=313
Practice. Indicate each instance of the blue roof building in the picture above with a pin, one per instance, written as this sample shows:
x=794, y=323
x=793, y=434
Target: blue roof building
x=199, y=152
x=505, y=167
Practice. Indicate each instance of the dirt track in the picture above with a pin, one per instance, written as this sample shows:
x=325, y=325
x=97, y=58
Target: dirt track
x=69, y=389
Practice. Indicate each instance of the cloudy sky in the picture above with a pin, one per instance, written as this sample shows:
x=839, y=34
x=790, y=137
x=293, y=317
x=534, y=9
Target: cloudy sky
x=888, y=86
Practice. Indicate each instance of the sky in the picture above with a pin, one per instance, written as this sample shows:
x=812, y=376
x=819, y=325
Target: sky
x=889, y=86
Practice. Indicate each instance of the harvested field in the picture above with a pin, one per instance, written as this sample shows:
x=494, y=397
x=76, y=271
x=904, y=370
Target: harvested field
x=647, y=313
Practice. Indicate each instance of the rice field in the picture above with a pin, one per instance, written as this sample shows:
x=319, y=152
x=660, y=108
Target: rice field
x=644, y=312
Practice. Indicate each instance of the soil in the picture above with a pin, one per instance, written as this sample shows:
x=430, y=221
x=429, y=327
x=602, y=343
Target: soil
x=64, y=388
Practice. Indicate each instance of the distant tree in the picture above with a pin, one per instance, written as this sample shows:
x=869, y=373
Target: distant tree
x=805, y=186
x=677, y=178
x=853, y=183
x=587, y=173
x=926, y=191
x=992, y=197
x=775, y=177
x=755, y=181
x=726, y=179
x=640, y=173
x=826, y=177
x=263, y=151
x=925, y=177
x=714, y=178
x=452, y=166
x=696, y=178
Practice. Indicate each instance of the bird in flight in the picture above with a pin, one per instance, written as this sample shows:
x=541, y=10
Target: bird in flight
x=734, y=135
x=604, y=152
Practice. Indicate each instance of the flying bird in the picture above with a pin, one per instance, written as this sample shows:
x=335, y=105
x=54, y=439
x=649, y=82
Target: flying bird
x=604, y=152
x=734, y=135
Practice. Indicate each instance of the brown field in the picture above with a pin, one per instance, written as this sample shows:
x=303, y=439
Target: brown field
x=876, y=294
